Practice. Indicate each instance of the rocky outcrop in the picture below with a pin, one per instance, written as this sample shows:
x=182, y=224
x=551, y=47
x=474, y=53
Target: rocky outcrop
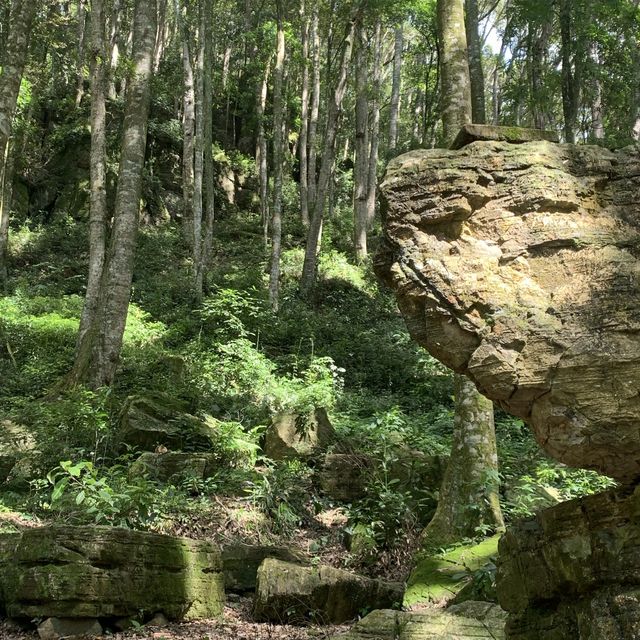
x=517, y=265
x=573, y=571
x=293, y=594
x=102, y=572
x=293, y=435
x=173, y=466
x=471, y=621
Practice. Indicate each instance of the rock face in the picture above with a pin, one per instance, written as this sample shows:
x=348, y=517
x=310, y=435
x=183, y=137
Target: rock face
x=175, y=465
x=103, y=572
x=289, y=593
x=573, y=571
x=517, y=265
x=291, y=435
x=480, y=621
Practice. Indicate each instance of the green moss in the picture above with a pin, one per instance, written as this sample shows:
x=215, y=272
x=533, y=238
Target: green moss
x=439, y=577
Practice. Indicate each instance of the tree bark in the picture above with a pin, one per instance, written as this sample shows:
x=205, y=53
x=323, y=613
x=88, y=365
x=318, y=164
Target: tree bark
x=98, y=178
x=454, y=68
x=15, y=58
x=372, y=180
x=97, y=362
x=469, y=500
x=394, y=109
x=82, y=24
x=261, y=151
x=476, y=71
x=188, y=127
x=206, y=22
x=361, y=165
x=570, y=89
x=309, y=268
x=278, y=160
x=198, y=163
x=314, y=113
x=304, y=120
x=597, y=115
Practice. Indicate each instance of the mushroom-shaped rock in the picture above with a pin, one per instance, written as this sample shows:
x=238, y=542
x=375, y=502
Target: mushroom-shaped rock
x=517, y=265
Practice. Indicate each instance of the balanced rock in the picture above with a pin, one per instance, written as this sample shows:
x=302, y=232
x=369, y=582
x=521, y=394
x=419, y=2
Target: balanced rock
x=517, y=265
x=103, y=572
x=293, y=435
x=483, y=621
x=573, y=571
x=293, y=594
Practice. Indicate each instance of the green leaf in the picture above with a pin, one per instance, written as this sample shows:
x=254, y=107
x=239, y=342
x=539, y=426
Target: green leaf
x=58, y=490
x=80, y=497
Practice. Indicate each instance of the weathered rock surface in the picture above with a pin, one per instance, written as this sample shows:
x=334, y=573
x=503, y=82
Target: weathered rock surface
x=149, y=421
x=344, y=476
x=16, y=442
x=515, y=135
x=169, y=465
x=290, y=593
x=482, y=620
x=573, y=571
x=517, y=265
x=103, y=572
x=291, y=435
x=242, y=561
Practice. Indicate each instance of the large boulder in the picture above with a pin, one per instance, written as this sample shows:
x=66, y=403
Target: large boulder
x=480, y=621
x=16, y=443
x=517, y=265
x=294, y=594
x=294, y=435
x=573, y=571
x=242, y=561
x=103, y=572
x=151, y=421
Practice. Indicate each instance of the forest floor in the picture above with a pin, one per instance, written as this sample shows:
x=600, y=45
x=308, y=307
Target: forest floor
x=236, y=624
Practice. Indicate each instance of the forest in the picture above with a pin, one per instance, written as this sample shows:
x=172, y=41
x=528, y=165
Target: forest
x=303, y=304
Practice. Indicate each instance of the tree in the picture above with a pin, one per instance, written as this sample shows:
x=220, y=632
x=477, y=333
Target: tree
x=13, y=62
x=99, y=351
x=475, y=62
x=469, y=493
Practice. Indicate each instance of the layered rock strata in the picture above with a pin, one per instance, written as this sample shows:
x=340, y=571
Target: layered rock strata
x=517, y=265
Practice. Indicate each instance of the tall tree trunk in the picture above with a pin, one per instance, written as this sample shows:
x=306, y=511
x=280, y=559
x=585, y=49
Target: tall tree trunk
x=261, y=151
x=304, y=120
x=114, y=45
x=309, y=268
x=476, y=72
x=361, y=165
x=538, y=39
x=97, y=364
x=82, y=24
x=394, y=109
x=314, y=112
x=570, y=89
x=98, y=178
x=472, y=474
x=372, y=180
x=597, y=116
x=198, y=163
x=454, y=68
x=469, y=499
x=206, y=22
x=160, y=35
x=188, y=127
x=15, y=57
x=278, y=161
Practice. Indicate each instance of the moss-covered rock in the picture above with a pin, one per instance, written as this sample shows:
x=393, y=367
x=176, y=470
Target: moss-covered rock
x=289, y=593
x=173, y=465
x=16, y=442
x=242, y=561
x=439, y=578
x=293, y=435
x=103, y=572
x=152, y=420
x=483, y=621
